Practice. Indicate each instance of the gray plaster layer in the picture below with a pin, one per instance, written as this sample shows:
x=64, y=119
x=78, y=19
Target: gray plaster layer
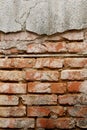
x=42, y=16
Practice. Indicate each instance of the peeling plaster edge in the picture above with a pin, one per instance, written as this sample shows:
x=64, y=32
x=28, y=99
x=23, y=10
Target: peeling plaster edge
x=48, y=34
x=60, y=31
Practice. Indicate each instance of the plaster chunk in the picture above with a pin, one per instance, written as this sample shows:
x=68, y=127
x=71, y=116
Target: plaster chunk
x=42, y=16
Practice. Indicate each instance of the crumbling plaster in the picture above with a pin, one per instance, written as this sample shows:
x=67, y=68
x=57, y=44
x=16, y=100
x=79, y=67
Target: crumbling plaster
x=42, y=16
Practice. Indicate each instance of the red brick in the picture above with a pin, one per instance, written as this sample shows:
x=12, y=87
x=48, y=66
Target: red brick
x=31, y=63
x=55, y=37
x=22, y=63
x=16, y=63
x=37, y=87
x=77, y=111
x=12, y=88
x=5, y=63
x=77, y=87
x=8, y=100
x=47, y=47
x=43, y=93
x=73, y=35
x=48, y=63
x=62, y=123
x=56, y=46
x=17, y=122
x=73, y=99
x=77, y=47
x=81, y=122
x=13, y=111
x=54, y=111
x=19, y=36
x=37, y=63
x=39, y=99
x=74, y=86
x=33, y=75
x=11, y=75
x=74, y=74
x=10, y=51
x=75, y=62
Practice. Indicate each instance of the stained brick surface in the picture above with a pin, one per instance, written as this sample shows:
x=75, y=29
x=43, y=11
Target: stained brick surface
x=43, y=81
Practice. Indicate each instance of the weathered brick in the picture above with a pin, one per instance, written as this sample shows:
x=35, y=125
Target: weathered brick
x=33, y=75
x=17, y=123
x=22, y=63
x=13, y=111
x=62, y=123
x=77, y=47
x=77, y=111
x=10, y=51
x=43, y=93
x=31, y=63
x=37, y=87
x=73, y=35
x=47, y=47
x=77, y=87
x=8, y=47
x=39, y=99
x=55, y=37
x=5, y=63
x=52, y=111
x=8, y=100
x=13, y=88
x=11, y=75
x=18, y=36
x=48, y=63
x=16, y=63
x=73, y=99
x=74, y=74
x=75, y=62
x=81, y=122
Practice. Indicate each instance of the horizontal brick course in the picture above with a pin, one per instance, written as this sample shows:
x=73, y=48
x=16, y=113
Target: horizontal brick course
x=43, y=81
x=38, y=63
x=47, y=47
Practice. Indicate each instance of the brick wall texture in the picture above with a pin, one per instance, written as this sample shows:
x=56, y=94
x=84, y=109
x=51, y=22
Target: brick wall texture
x=43, y=81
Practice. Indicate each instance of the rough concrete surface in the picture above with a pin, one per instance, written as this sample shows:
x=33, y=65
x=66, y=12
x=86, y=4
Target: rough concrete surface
x=42, y=16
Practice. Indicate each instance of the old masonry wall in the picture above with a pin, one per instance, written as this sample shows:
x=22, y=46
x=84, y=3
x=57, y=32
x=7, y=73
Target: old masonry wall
x=43, y=81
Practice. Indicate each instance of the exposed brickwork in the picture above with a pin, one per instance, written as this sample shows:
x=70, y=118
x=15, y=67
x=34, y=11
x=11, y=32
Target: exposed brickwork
x=43, y=81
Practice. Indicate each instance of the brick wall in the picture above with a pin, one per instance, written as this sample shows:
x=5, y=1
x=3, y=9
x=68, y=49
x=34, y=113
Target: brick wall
x=43, y=81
